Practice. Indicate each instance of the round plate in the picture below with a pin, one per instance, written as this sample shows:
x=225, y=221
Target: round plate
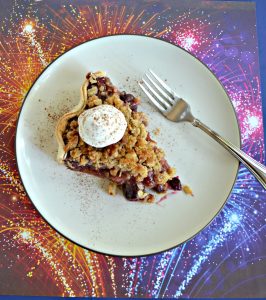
x=77, y=205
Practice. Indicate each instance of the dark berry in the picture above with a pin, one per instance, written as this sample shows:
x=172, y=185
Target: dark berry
x=175, y=184
x=122, y=95
x=103, y=97
x=130, y=189
x=130, y=99
x=127, y=98
x=101, y=80
x=160, y=188
x=134, y=107
x=149, y=180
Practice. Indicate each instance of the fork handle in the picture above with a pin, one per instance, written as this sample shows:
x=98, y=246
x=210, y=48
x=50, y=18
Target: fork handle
x=256, y=168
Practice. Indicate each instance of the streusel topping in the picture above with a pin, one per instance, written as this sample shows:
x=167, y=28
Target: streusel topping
x=136, y=153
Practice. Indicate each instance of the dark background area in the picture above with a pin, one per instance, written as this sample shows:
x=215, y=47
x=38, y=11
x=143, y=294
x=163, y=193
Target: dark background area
x=261, y=32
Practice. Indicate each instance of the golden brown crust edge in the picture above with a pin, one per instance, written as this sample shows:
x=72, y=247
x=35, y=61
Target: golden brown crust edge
x=62, y=123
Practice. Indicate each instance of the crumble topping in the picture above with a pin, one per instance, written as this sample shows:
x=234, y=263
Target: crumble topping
x=135, y=153
x=187, y=190
x=133, y=162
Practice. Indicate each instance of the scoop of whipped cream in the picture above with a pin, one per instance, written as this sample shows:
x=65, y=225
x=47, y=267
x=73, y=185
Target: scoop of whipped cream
x=102, y=125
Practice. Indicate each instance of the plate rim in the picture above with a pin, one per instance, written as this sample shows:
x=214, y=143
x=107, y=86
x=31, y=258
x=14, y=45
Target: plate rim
x=70, y=239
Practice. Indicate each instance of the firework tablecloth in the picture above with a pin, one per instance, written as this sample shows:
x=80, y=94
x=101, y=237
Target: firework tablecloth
x=224, y=260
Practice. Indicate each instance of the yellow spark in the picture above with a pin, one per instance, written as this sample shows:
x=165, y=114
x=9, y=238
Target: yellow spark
x=28, y=28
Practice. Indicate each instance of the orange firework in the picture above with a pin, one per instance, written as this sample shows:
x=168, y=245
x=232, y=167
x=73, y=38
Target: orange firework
x=27, y=46
x=79, y=24
x=19, y=67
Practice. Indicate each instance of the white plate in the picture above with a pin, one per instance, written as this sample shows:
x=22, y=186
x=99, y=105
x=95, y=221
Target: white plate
x=77, y=205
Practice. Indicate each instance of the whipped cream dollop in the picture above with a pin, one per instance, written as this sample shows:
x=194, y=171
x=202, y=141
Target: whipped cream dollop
x=102, y=125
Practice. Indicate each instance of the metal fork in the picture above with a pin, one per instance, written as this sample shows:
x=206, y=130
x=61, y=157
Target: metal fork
x=177, y=109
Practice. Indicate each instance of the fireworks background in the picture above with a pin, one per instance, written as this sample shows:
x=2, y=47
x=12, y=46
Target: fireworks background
x=224, y=260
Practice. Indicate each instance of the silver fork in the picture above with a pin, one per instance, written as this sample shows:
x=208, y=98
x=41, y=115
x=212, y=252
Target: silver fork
x=177, y=109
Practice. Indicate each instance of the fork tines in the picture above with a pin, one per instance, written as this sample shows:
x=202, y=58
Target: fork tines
x=159, y=93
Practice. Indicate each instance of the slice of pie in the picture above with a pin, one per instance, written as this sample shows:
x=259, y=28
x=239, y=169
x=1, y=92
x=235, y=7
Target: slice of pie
x=134, y=163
